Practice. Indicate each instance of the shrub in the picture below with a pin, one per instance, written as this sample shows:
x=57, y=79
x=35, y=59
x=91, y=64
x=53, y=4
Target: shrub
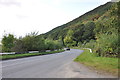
x=107, y=44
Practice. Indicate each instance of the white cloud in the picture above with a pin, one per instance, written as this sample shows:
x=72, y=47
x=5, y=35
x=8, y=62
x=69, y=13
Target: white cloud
x=9, y=2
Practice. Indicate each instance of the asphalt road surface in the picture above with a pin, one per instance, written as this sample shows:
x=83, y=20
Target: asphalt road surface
x=59, y=65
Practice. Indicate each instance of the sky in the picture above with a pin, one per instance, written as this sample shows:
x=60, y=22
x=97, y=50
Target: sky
x=20, y=17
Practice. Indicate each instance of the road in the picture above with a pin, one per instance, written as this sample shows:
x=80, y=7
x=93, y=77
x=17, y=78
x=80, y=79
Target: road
x=59, y=65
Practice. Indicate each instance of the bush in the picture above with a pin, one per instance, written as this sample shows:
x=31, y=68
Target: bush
x=107, y=45
x=52, y=45
x=91, y=44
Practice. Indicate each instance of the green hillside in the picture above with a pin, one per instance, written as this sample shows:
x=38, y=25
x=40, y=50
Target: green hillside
x=89, y=16
x=96, y=29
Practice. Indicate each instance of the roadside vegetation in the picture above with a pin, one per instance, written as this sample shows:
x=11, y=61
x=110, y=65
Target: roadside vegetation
x=15, y=56
x=0, y=48
x=31, y=42
x=104, y=64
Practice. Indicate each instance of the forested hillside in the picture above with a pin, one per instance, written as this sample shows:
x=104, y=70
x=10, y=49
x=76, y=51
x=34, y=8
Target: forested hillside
x=76, y=23
x=96, y=29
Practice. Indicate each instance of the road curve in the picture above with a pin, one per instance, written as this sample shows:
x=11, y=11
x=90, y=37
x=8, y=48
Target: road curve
x=59, y=65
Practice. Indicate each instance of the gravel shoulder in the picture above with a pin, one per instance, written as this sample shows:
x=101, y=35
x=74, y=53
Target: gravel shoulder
x=77, y=70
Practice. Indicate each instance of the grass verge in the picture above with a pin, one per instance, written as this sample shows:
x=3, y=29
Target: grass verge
x=104, y=64
x=14, y=56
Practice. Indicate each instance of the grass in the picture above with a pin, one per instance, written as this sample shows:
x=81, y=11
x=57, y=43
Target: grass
x=14, y=56
x=105, y=64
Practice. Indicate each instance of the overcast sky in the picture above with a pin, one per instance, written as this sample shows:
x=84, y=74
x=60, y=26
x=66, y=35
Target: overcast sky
x=24, y=16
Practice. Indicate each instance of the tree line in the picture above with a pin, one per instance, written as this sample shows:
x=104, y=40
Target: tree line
x=31, y=42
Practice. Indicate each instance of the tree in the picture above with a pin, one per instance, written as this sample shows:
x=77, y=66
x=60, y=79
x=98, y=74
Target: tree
x=0, y=48
x=8, y=42
x=28, y=42
x=49, y=44
x=19, y=46
x=31, y=41
x=78, y=33
x=40, y=44
x=88, y=31
x=58, y=44
x=68, y=40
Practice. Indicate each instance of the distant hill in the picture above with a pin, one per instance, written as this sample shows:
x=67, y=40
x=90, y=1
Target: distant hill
x=61, y=31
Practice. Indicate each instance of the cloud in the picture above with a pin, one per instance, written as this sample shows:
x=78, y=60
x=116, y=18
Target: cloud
x=9, y=2
x=19, y=16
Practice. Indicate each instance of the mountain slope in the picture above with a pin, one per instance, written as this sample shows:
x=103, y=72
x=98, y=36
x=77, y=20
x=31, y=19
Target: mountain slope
x=62, y=30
